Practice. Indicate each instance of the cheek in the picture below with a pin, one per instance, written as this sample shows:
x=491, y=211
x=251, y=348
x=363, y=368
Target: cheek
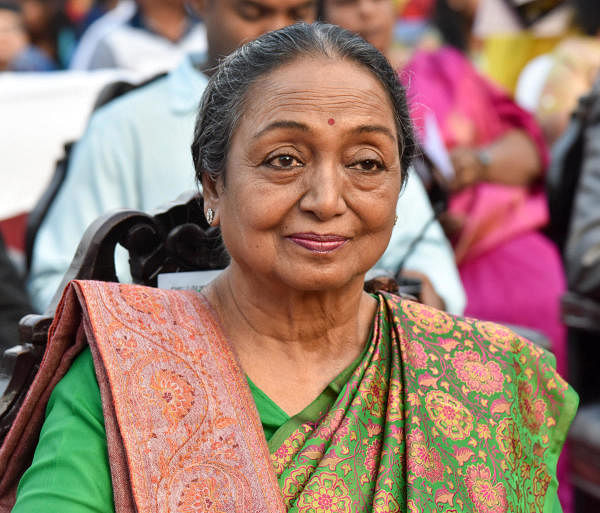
x=376, y=211
x=258, y=207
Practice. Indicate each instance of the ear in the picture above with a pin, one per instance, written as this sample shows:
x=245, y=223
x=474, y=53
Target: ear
x=211, y=191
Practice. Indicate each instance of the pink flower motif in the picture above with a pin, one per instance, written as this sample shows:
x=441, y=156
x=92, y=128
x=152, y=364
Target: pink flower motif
x=481, y=377
x=427, y=318
x=500, y=336
x=397, y=432
x=372, y=458
x=283, y=452
x=325, y=493
x=341, y=432
x=330, y=424
x=487, y=496
x=416, y=355
x=423, y=461
x=449, y=414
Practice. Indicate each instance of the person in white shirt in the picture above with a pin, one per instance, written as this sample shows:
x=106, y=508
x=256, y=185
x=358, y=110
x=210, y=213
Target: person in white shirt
x=144, y=36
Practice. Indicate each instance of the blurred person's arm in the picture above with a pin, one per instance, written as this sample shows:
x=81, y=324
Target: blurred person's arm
x=512, y=159
x=432, y=256
x=518, y=156
x=100, y=177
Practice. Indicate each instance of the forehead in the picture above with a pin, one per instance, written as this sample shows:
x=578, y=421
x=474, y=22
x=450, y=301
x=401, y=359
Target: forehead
x=323, y=87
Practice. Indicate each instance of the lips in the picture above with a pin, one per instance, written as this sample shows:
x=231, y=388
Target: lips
x=318, y=243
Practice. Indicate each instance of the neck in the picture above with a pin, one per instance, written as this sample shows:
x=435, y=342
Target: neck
x=166, y=20
x=291, y=343
x=295, y=323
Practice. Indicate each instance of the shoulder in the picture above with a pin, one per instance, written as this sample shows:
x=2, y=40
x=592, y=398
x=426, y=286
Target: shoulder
x=487, y=360
x=487, y=395
x=454, y=333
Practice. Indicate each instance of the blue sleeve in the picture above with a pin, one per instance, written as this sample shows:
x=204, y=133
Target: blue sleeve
x=70, y=470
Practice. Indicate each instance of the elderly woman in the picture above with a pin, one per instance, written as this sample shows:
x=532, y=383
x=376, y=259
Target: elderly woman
x=284, y=386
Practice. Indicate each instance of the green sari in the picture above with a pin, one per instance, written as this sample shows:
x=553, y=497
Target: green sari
x=440, y=414
x=437, y=414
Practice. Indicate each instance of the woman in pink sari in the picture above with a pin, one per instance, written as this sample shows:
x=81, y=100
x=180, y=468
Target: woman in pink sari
x=498, y=203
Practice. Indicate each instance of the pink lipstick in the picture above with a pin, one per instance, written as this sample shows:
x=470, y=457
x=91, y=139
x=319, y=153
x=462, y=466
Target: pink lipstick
x=318, y=243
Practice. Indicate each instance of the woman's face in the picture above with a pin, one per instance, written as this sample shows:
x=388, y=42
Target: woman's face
x=312, y=177
x=373, y=20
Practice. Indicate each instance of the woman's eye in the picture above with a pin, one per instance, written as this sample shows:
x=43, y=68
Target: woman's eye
x=283, y=162
x=368, y=165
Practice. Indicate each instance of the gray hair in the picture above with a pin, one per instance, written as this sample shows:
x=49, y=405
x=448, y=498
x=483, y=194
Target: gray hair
x=224, y=98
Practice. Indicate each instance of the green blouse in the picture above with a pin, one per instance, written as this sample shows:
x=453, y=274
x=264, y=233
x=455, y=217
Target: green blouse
x=70, y=470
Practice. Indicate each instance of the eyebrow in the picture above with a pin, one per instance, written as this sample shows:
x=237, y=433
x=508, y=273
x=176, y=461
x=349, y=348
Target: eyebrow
x=282, y=124
x=369, y=129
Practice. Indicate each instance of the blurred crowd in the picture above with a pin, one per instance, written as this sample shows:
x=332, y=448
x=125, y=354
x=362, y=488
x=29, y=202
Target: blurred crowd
x=492, y=85
x=46, y=35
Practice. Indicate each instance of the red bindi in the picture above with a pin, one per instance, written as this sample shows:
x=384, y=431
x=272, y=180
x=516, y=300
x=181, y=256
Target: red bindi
x=331, y=121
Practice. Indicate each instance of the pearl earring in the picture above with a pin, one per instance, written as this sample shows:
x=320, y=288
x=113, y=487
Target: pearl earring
x=210, y=215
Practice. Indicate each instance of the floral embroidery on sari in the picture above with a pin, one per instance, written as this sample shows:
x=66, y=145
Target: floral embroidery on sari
x=441, y=415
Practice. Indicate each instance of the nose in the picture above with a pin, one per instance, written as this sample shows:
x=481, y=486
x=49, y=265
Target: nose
x=324, y=192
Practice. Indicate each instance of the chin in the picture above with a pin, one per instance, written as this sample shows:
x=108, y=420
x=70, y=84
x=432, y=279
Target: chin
x=322, y=281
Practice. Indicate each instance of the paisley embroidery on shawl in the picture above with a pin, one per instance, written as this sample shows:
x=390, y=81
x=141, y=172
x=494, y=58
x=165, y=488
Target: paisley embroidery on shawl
x=201, y=495
x=179, y=412
x=174, y=394
x=479, y=443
